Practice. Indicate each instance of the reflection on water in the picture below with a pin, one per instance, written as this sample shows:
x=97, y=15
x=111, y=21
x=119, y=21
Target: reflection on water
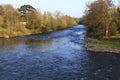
x=61, y=57
x=14, y=43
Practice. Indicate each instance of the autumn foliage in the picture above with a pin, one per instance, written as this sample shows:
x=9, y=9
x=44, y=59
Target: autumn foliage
x=102, y=18
x=27, y=20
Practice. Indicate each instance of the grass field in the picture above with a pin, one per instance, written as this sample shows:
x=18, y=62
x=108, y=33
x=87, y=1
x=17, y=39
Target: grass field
x=112, y=43
x=97, y=45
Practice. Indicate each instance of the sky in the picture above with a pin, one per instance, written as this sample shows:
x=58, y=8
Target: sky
x=74, y=8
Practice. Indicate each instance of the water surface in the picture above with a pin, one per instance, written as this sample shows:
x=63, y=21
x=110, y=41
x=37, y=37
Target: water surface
x=59, y=55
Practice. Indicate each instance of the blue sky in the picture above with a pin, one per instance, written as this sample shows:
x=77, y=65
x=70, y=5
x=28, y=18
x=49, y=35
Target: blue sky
x=69, y=7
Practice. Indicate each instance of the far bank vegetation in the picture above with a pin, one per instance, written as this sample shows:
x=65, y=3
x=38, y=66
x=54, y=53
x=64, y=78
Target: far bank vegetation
x=27, y=20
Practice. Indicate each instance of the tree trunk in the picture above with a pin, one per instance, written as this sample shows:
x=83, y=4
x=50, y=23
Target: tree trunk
x=107, y=33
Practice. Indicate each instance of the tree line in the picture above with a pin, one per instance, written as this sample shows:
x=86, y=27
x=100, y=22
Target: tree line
x=27, y=20
x=102, y=18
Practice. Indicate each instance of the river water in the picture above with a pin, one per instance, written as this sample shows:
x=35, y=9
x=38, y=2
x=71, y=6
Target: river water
x=59, y=55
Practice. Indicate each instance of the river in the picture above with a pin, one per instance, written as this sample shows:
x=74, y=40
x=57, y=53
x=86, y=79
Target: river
x=58, y=55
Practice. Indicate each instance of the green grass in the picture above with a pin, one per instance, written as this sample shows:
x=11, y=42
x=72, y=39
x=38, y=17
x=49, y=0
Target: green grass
x=116, y=36
x=112, y=43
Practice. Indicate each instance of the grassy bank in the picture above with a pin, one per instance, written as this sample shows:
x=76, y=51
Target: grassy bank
x=6, y=33
x=112, y=45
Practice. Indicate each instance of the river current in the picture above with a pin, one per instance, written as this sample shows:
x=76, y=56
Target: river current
x=58, y=55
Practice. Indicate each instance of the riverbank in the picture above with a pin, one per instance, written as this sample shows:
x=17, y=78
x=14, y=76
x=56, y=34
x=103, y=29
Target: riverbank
x=95, y=45
x=26, y=32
